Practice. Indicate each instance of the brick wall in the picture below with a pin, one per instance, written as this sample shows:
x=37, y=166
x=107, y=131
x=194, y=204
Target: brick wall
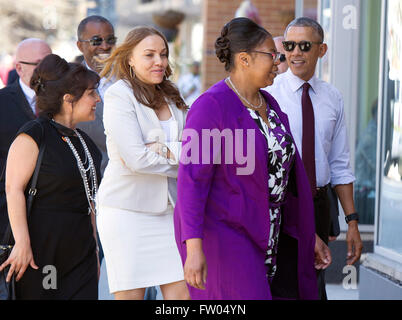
x=275, y=16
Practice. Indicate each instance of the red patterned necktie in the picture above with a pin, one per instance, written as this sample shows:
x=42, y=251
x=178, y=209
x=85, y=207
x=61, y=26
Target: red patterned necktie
x=308, y=140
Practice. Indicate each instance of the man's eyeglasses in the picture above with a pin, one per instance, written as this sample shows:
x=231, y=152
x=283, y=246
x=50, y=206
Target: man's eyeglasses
x=29, y=63
x=304, y=46
x=275, y=55
x=97, y=41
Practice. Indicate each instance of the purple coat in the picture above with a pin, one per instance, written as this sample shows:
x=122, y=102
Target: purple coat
x=230, y=211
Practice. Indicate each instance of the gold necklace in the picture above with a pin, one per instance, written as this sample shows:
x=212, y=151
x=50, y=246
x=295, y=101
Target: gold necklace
x=238, y=93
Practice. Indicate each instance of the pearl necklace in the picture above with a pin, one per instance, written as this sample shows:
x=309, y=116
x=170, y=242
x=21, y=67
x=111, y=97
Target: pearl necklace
x=238, y=93
x=90, y=192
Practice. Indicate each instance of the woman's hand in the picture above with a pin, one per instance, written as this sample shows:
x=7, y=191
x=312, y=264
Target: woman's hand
x=195, y=267
x=157, y=147
x=322, y=254
x=20, y=258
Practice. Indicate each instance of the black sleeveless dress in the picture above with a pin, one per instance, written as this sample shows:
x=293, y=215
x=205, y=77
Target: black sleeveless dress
x=60, y=228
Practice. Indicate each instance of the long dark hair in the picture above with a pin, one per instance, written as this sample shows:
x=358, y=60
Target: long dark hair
x=54, y=77
x=149, y=95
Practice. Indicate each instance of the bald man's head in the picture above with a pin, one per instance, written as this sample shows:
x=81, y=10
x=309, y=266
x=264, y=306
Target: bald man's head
x=28, y=55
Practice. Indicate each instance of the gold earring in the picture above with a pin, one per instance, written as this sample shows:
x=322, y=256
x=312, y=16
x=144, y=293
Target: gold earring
x=132, y=73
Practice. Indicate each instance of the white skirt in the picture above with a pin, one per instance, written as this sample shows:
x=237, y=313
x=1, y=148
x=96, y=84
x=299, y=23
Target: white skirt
x=140, y=248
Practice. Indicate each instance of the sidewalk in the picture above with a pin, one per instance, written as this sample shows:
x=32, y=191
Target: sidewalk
x=334, y=291
x=337, y=292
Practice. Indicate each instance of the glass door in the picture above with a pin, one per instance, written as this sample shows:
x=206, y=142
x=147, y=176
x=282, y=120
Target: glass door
x=390, y=174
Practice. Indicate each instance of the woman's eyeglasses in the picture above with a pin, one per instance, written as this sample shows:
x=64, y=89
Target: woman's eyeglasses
x=304, y=46
x=276, y=56
x=97, y=41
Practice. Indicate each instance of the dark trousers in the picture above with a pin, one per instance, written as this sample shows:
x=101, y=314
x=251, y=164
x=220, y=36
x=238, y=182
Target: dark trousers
x=322, y=227
x=285, y=285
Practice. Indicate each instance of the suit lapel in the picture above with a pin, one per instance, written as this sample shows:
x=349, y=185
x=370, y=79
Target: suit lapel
x=21, y=100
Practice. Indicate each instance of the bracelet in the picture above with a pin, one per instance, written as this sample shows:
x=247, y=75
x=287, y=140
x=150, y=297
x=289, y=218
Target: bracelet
x=165, y=151
x=351, y=217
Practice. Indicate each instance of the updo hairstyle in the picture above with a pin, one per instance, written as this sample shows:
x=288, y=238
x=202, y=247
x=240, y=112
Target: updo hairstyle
x=54, y=77
x=238, y=35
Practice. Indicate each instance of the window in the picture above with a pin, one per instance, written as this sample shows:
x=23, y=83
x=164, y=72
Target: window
x=366, y=130
x=390, y=198
x=325, y=14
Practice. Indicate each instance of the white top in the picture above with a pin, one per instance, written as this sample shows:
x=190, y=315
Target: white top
x=332, y=156
x=168, y=126
x=29, y=95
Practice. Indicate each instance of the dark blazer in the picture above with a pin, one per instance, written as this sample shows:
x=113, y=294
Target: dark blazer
x=14, y=112
x=12, y=76
x=96, y=131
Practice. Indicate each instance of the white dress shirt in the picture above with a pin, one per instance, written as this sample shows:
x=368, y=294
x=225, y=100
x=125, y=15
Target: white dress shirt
x=29, y=95
x=103, y=83
x=332, y=158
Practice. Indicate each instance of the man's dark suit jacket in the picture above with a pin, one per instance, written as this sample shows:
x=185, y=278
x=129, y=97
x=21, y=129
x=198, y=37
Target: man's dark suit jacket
x=14, y=112
x=12, y=77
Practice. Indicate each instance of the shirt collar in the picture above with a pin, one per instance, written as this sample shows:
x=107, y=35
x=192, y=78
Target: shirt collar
x=28, y=92
x=102, y=81
x=296, y=83
x=88, y=67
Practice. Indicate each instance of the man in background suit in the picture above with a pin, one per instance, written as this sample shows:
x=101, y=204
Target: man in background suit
x=17, y=106
x=317, y=121
x=96, y=40
x=12, y=76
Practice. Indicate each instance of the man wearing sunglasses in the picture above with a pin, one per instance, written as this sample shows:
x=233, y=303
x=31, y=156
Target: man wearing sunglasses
x=317, y=121
x=17, y=106
x=96, y=40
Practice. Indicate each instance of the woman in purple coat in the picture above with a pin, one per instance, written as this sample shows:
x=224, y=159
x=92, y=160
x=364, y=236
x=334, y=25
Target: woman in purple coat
x=244, y=218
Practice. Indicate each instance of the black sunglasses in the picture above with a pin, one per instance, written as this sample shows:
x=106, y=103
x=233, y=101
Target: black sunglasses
x=304, y=46
x=97, y=41
x=29, y=63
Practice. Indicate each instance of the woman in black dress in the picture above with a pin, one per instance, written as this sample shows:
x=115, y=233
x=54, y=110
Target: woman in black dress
x=55, y=252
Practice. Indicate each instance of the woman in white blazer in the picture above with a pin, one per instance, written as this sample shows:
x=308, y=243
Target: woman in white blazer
x=144, y=117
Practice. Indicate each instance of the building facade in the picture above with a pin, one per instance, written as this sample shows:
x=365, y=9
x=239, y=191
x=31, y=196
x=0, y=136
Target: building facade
x=364, y=62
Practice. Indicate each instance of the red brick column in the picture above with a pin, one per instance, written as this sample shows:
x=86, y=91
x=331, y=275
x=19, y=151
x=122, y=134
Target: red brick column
x=275, y=16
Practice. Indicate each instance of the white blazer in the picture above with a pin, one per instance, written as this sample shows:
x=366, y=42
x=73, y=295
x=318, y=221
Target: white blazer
x=136, y=178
